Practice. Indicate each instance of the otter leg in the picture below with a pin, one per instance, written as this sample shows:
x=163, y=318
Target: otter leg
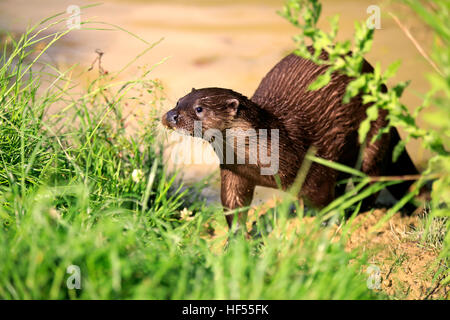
x=235, y=192
x=319, y=186
x=377, y=160
x=339, y=190
x=403, y=166
x=374, y=161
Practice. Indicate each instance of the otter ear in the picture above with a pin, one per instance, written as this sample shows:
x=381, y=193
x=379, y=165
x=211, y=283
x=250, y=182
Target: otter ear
x=232, y=106
x=193, y=89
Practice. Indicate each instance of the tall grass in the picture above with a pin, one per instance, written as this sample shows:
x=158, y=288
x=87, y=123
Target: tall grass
x=76, y=189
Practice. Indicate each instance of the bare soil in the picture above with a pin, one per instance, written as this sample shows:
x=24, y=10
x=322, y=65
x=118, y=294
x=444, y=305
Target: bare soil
x=408, y=266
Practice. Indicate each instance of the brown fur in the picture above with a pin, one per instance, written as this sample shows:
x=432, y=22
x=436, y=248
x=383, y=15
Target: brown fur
x=304, y=118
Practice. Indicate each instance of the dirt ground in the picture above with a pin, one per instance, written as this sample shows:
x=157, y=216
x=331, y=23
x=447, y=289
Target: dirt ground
x=407, y=266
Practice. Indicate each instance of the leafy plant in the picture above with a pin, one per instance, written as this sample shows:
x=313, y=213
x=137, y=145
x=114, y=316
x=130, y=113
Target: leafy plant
x=305, y=14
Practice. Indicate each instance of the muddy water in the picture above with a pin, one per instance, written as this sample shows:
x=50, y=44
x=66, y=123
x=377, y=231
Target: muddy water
x=215, y=43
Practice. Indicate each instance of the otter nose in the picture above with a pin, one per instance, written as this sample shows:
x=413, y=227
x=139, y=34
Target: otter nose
x=172, y=117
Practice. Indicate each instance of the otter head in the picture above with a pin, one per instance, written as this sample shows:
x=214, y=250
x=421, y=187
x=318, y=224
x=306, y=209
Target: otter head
x=212, y=108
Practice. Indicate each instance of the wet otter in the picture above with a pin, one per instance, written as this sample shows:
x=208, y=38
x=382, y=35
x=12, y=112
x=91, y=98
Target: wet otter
x=303, y=118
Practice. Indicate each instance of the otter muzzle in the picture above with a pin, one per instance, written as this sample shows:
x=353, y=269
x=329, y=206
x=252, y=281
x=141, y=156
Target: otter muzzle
x=170, y=119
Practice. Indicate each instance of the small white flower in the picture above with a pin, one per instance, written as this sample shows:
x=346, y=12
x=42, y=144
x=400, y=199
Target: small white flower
x=137, y=175
x=186, y=214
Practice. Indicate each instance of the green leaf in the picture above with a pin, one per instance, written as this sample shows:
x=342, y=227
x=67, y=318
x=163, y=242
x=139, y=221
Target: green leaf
x=364, y=128
x=372, y=114
x=399, y=148
x=391, y=70
x=320, y=82
x=354, y=87
x=336, y=166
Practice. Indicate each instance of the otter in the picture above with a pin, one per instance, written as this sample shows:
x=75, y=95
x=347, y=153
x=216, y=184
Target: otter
x=304, y=118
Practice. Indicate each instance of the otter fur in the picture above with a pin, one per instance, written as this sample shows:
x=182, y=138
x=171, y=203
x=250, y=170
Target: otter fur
x=305, y=118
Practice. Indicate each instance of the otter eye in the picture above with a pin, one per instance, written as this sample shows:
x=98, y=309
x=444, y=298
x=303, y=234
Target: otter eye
x=198, y=109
